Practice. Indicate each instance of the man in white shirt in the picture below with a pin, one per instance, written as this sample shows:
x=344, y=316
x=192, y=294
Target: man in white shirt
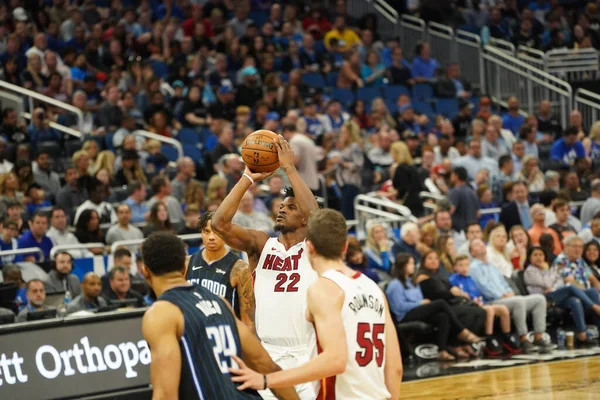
x=247, y=217
x=473, y=161
x=60, y=235
x=98, y=193
x=306, y=155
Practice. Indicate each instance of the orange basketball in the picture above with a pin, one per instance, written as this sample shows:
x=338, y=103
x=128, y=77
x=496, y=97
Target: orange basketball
x=259, y=151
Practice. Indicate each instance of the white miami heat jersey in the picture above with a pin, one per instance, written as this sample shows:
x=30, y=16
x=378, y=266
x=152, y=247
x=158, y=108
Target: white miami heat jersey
x=282, y=278
x=363, y=315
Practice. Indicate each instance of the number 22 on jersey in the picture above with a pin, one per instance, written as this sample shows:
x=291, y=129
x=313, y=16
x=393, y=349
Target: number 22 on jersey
x=224, y=346
x=370, y=340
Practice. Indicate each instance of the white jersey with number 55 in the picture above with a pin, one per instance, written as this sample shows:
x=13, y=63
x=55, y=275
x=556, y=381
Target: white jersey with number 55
x=363, y=316
x=282, y=278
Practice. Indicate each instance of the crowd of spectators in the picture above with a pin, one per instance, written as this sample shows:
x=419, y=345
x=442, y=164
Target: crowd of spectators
x=208, y=73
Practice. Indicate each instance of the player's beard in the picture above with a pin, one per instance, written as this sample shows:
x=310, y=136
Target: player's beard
x=283, y=229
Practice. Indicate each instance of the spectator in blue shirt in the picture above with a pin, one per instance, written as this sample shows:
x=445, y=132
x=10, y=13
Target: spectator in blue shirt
x=496, y=290
x=512, y=120
x=373, y=70
x=169, y=9
x=423, y=66
x=137, y=202
x=8, y=241
x=39, y=129
x=568, y=148
x=36, y=237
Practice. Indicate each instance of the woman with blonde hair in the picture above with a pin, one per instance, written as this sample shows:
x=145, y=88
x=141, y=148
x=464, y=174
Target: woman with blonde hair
x=378, y=247
x=429, y=237
x=32, y=77
x=9, y=187
x=592, y=143
x=445, y=249
x=105, y=160
x=531, y=174
x=378, y=106
x=497, y=251
x=91, y=148
x=194, y=195
x=406, y=179
x=349, y=159
x=216, y=189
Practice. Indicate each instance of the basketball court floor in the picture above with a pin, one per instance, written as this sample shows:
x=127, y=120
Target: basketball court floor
x=566, y=379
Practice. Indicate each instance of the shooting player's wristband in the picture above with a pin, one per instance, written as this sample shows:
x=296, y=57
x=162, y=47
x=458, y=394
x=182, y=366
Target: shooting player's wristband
x=249, y=177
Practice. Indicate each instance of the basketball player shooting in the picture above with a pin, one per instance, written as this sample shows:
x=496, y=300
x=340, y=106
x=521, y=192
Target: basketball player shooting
x=281, y=267
x=357, y=337
x=192, y=333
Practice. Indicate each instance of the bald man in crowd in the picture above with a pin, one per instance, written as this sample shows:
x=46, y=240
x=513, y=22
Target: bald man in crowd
x=90, y=298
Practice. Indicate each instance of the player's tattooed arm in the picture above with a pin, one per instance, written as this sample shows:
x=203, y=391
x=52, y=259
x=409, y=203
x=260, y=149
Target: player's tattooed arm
x=243, y=282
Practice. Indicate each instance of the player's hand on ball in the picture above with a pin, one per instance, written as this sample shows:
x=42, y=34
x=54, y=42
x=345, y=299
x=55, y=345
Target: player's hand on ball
x=258, y=176
x=247, y=378
x=285, y=153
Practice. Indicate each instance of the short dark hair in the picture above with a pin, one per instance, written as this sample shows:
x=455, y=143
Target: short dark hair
x=122, y=252
x=39, y=213
x=571, y=130
x=56, y=208
x=461, y=173
x=157, y=183
x=459, y=258
x=164, y=253
x=42, y=151
x=134, y=187
x=64, y=253
x=117, y=270
x=204, y=220
x=503, y=160
x=327, y=231
x=470, y=224
x=289, y=128
x=288, y=191
x=32, y=281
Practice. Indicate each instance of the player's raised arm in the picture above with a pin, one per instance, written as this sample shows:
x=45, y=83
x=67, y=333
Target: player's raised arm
x=325, y=300
x=302, y=193
x=250, y=241
x=161, y=326
x=243, y=282
x=393, y=358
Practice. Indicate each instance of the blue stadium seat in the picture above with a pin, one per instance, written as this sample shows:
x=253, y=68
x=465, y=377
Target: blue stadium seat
x=423, y=107
x=53, y=148
x=391, y=93
x=192, y=151
x=259, y=17
x=71, y=147
x=367, y=94
x=284, y=77
x=108, y=141
x=332, y=79
x=188, y=136
x=344, y=96
x=314, y=79
x=99, y=140
x=447, y=107
x=422, y=91
x=391, y=106
x=170, y=152
x=210, y=142
x=160, y=68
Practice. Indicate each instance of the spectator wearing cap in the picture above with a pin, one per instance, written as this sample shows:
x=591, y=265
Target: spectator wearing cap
x=444, y=149
x=272, y=121
x=462, y=122
x=131, y=170
x=335, y=117
x=249, y=90
x=423, y=66
x=485, y=108
x=43, y=174
x=413, y=142
x=36, y=237
x=512, y=120
x=224, y=107
x=406, y=119
x=465, y=204
x=346, y=38
x=568, y=148
x=451, y=85
x=314, y=125
x=474, y=160
x=39, y=130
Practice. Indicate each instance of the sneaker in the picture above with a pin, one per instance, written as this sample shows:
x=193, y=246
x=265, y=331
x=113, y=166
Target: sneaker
x=528, y=347
x=511, y=345
x=492, y=348
x=543, y=347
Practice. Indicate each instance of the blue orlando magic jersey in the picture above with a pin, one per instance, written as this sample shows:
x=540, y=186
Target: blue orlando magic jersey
x=210, y=337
